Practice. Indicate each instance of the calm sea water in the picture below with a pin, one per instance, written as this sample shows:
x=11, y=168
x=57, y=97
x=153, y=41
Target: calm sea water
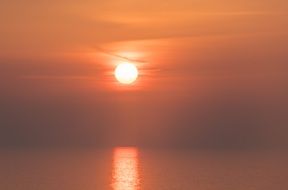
x=138, y=169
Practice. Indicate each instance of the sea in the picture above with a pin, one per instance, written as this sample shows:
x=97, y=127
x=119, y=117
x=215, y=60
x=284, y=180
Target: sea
x=133, y=168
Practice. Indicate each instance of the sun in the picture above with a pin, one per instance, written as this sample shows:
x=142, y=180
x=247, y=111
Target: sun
x=126, y=73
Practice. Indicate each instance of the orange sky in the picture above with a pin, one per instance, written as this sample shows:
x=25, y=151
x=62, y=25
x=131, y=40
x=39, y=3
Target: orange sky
x=203, y=65
x=68, y=25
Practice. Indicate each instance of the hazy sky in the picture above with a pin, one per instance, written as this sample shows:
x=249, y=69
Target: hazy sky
x=212, y=73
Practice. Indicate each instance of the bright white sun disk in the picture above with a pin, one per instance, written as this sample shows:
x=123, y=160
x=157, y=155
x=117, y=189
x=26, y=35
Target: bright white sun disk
x=126, y=73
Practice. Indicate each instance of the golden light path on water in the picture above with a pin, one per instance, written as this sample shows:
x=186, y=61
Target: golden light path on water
x=125, y=169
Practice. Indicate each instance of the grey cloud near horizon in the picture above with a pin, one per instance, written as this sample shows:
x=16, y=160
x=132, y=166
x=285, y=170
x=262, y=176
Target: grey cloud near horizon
x=191, y=105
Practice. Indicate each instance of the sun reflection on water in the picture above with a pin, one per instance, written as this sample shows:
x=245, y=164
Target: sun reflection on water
x=125, y=169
